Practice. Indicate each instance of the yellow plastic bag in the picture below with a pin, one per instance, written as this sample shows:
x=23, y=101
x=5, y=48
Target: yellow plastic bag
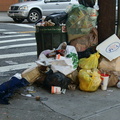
x=89, y=63
x=89, y=80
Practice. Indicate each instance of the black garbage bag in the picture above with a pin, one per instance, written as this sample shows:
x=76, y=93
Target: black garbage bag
x=87, y=3
x=8, y=88
x=86, y=53
x=57, y=18
x=57, y=79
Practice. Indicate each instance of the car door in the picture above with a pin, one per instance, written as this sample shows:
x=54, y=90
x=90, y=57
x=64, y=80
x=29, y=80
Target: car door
x=50, y=6
x=65, y=4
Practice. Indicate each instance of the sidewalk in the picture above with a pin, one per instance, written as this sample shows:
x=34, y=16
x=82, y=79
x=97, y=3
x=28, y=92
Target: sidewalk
x=73, y=105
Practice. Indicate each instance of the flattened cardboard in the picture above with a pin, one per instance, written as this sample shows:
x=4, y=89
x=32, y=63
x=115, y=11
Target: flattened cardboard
x=110, y=48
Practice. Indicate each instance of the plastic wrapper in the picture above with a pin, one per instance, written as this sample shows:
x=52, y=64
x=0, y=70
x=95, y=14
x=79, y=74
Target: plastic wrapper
x=89, y=63
x=80, y=21
x=89, y=80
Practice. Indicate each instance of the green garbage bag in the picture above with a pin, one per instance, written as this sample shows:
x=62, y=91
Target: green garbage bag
x=80, y=21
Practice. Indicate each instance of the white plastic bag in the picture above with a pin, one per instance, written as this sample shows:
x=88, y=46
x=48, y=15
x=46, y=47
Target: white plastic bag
x=64, y=64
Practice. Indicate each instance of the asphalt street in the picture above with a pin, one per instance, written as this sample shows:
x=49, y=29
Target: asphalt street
x=73, y=105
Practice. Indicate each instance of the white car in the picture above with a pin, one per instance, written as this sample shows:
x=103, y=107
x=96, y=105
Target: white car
x=34, y=10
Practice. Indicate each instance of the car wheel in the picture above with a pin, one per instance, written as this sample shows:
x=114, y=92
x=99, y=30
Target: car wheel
x=34, y=16
x=18, y=20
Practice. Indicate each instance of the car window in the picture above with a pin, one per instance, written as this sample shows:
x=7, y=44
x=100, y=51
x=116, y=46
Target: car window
x=51, y=0
x=64, y=0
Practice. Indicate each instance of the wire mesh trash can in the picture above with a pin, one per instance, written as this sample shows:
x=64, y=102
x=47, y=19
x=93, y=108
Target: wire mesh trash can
x=49, y=37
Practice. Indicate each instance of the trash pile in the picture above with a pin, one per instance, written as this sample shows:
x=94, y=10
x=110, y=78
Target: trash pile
x=80, y=63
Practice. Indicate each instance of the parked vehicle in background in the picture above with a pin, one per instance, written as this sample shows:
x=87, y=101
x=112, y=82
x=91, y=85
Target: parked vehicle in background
x=34, y=10
x=116, y=17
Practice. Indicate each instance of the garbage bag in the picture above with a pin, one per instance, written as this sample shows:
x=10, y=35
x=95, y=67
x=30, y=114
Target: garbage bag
x=108, y=66
x=112, y=68
x=87, y=3
x=89, y=80
x=57, y=18
x=84, y=42
x=89, y=63
x=8, y=88
x=74, y=77
x=113, y=79
x=57, y=62
x=56, y=79
x=86, y=53
x=80, y=21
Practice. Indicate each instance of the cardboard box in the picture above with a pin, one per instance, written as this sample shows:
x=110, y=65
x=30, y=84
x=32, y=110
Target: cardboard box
x=110, y=48
x=31, y=74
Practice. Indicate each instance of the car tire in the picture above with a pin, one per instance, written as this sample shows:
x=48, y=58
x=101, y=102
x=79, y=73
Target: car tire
x=18, y=20
x=34, y=16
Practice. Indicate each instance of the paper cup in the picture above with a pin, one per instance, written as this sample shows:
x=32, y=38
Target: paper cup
x=105, y=79
x=55, y=90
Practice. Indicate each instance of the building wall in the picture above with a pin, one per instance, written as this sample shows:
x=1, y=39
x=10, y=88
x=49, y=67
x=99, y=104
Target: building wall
x=4, y=4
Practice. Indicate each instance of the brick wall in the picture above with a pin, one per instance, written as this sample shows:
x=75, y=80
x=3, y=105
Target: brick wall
x=4, y=4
